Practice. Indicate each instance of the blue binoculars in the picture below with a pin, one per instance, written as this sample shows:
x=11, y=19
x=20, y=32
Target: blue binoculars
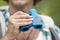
x=36, y=23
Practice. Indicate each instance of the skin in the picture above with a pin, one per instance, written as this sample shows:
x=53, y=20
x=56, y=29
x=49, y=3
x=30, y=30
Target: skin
x=19, y=16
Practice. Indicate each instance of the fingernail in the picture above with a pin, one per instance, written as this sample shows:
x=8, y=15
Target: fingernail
x=31, y=22
x=30, y=16
x=31, y=19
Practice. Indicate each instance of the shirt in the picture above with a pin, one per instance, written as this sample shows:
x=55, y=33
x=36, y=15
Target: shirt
x=44, y=33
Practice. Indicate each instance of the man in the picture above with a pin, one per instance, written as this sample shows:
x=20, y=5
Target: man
x=19, y=16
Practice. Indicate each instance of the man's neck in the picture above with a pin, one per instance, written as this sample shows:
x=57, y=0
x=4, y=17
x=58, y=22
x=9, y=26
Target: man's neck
x=25, y=9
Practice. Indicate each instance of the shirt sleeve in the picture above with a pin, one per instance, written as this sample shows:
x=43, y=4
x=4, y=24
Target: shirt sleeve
x=57, y=31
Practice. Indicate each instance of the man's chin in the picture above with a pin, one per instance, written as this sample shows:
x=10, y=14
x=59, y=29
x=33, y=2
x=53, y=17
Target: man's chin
x=19, y=5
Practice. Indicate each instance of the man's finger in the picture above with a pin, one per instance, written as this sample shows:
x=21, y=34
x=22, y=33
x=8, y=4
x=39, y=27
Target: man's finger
x=22, y=16
x=24, y=23
x=20, y=13
x=23, y=20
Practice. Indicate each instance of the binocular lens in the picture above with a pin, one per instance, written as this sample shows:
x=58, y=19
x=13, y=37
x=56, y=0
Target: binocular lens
x=37, y=26
x=24, y=29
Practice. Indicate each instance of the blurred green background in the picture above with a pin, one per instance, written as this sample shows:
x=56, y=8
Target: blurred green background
x=48, y=7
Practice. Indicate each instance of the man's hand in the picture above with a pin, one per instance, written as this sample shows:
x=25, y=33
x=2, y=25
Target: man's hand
x=15, y=21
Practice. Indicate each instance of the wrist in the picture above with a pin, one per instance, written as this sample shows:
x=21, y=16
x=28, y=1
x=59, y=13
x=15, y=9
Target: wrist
x=9, y=37
x=5, y=38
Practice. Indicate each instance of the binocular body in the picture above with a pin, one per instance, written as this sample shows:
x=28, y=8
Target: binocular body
x=36, y=23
